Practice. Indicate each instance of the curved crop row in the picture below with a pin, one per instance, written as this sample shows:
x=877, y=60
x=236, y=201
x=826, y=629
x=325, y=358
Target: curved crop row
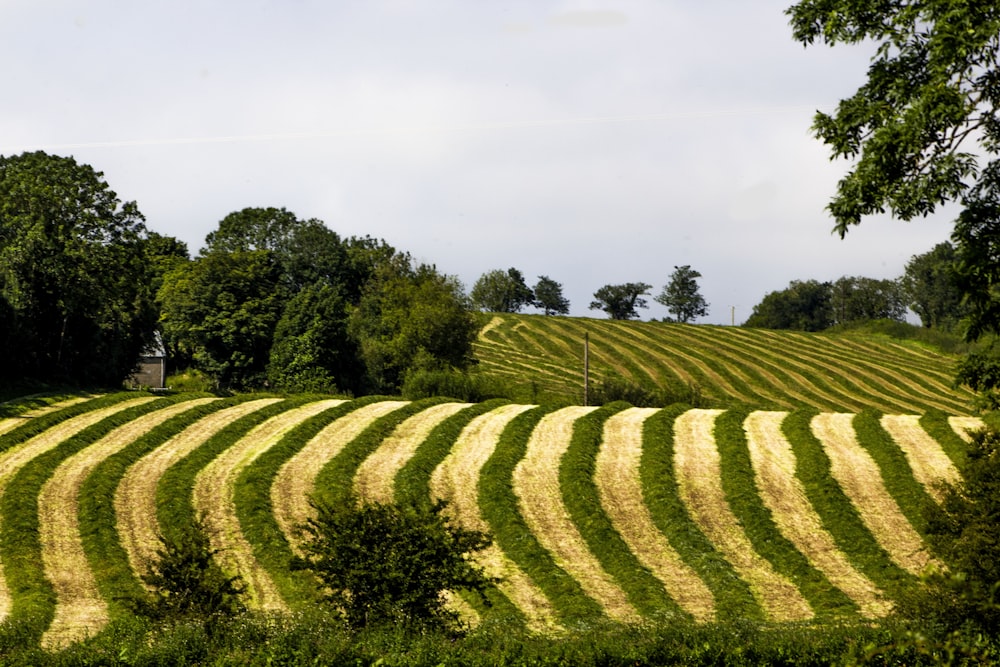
x=618, y=513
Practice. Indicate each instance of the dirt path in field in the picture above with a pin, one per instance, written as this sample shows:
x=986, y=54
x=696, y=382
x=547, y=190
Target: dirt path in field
x=962, y=426
x=618, y=483
x=774, y=473
x=80, y=610
x=213, y=500
x=536, y=485
x=295, y=480
x=928, y=461
x=699, y=482
x=859, y=477
x=456, y=480
x=13, y=459
x=376, y=475
x=10, y=423
x=135, y=497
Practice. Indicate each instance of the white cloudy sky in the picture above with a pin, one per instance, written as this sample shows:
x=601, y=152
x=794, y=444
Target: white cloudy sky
x=594, y=142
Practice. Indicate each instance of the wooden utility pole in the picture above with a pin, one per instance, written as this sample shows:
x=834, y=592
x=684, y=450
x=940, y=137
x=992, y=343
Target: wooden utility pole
x=586, y=368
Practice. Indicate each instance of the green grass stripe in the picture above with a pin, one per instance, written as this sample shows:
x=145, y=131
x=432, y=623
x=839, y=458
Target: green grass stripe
x=935, y=423
x=743, y=495
x=501, y=511
x=14, y=414
x=38, y=425
x=582, y=501
x=115, y=578
x=733, y=599
x=174, y=501
x=32, y=596
x=838, y=514
x=909, y=494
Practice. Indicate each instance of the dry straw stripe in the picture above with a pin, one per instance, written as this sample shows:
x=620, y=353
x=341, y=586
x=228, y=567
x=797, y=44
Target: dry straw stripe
x=928, y=461
x=80, y=610
x=698, y=470
x=456, y=480
x=376, y=474
x=616, y=474
x=296, y=479
x=781, y=491
x=213, y=500
x=859, y=477
x=962, y=426
x=10, y=423
x=15, y=458
x=536, y=484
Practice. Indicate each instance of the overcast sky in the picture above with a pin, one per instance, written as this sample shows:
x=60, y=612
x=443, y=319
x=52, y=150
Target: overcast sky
x=593, y=142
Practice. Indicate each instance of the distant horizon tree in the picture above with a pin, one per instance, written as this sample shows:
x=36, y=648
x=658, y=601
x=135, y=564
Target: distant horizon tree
x=500, y=291
x=621, y=301
x=681, y=295
x=549, y=297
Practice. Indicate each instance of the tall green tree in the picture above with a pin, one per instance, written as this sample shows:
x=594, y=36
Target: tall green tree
x=549, y=297
x=501, y=291
x=681, y=295
x=930, y=282
x=859, y=299
x=74, y=282
x=803, y=306
x=621, y=301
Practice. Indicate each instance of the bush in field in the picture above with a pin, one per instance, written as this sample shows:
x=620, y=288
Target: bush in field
x=616, y=389
x=462, y=385
x=187, y=581
x=389, y=565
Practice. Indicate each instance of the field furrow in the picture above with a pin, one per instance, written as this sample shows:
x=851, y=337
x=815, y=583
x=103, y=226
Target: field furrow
x=13, y=459
x=928, y=461
x=294, y=483
x=781, y=491
x=376, y=474
x=698, y=473
x=536, y=485
x=80, y=610
x=859, y=477
x=213, y=500
x=456, y=481
x=135, y=497
x=10, y=423
x=962, y=426
x=620, y=489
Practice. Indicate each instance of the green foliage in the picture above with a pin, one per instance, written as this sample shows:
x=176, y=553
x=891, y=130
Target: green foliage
x=468, y=386
x=931, y=284
x=549, y=297
x=501, y=291
x=681, y=295
x=384, y=564
x=620, y=301
x=614, y=389
x=75, y=295
x=858, y=298
x=187, y=581
x=803, y=305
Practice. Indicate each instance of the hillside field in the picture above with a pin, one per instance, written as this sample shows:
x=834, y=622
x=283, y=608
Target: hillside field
x=774, y=512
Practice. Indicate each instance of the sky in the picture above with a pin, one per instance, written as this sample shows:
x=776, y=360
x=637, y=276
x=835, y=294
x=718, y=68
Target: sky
x=591, y=142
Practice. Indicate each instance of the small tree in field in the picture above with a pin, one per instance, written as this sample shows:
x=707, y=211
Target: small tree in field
x=620, y=301
x=549, y=297
x=681, y=295
x=384, y=564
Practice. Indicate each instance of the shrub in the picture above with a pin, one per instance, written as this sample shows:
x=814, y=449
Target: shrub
x=460, y=385
x=385, y=564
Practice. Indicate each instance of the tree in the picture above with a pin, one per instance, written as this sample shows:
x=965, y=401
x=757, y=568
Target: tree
x=549, y=297
x=620, y=301
x=858, y=299
x=803, y=306
x=74, y=283
x=502, y=292
x=383, y=564
x=681, y=296
x=930, y=283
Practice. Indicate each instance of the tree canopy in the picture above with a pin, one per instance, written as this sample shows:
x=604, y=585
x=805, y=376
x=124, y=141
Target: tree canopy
x=549, y=297
x=681, y=295
x=501, y=291
x=621, y=301
x=803, y=305
x=930, y=283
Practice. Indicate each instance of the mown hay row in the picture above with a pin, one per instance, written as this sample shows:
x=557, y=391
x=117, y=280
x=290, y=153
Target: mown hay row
x=781, y=491
x=698, y=472
x=927, y=459
x=859, y=477
x=10, y=423
x=376, y=474
x=456, y=481
x=294, y=483
x=80, y=610
x=213, y=500
x=962, y=426
x=617, y=478
x=536, y=484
